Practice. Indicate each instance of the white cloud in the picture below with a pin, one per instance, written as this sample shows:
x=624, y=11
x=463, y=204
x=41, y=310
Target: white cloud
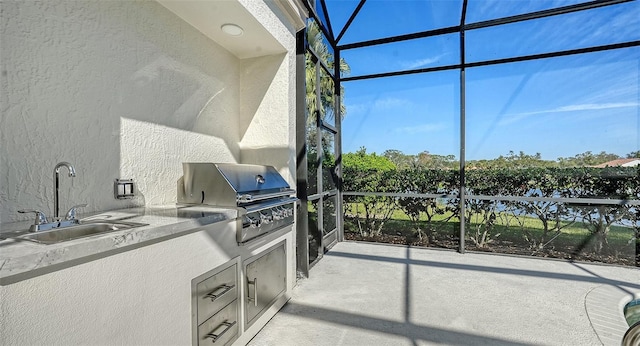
x=390, y=103
x=592, y=106
x=382, y=104
x=424, y=128
x=410, y=65
x=356, y=108
x=512, y=118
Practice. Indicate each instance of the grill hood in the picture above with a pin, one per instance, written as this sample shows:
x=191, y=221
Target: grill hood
x=230, y=184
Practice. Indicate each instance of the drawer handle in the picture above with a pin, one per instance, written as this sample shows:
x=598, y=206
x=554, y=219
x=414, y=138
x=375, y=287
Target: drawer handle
x=255, y=291
x=214, y=337
x=217, y=293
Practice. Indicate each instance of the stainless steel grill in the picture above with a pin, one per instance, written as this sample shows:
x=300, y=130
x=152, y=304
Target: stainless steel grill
x=263, y=198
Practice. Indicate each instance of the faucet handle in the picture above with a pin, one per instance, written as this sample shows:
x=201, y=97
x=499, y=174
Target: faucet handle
x=71, y=214
x=40, y=217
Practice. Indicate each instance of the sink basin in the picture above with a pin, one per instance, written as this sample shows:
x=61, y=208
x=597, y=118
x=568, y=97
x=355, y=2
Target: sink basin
x=78, y=231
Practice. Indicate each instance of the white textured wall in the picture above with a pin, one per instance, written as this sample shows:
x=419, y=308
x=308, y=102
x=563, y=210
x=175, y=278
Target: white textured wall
x=126, y=89
x=267, y=86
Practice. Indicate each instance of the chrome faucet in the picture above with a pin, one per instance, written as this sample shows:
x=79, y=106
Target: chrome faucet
x=41, y=223
x=56, y=184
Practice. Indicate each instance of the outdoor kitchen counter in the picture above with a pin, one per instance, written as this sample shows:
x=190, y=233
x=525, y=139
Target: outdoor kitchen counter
x=22, y=259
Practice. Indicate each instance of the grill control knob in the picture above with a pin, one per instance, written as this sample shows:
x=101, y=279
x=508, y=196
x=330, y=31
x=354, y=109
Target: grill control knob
x=266, y=217
x=278, y=213
x=254, y=222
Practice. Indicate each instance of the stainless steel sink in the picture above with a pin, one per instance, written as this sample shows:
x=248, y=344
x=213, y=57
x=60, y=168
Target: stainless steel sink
x=78, y=231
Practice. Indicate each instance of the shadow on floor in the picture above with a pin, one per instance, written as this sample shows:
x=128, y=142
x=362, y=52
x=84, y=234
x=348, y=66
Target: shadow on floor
x=490, y=314
x=404, y=329
x=533, y=273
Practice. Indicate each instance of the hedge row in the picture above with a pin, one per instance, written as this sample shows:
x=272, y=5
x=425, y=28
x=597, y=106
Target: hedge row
x=619, y=183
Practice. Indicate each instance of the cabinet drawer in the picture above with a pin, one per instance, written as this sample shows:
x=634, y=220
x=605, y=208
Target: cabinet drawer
x=216, y=292
x=221, y=328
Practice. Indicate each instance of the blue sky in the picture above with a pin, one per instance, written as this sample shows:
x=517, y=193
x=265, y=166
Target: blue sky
x=558, y=107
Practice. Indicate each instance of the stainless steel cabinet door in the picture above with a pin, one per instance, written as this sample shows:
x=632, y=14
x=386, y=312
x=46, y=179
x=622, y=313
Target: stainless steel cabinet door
x=266, y=277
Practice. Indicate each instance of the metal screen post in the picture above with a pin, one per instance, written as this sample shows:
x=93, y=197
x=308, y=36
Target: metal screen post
x=338, y=143
x=462, y=128
x=302, y=224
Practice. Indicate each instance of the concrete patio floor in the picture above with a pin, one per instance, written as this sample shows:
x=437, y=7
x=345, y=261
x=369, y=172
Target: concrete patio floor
x=373, y=294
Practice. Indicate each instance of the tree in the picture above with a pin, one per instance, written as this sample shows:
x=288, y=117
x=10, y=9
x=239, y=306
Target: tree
x=427, y=160
x=610, y=182
x=634, y=212
x=482, y=213
x=400, y=159
x=424, y=159
x=633, y=154
x=554, y=216
x=587, y=159
x=365, y=172
x=423, y=181
x=324, y=109
x=362, y=161
x=317, y=43
x=513, y=160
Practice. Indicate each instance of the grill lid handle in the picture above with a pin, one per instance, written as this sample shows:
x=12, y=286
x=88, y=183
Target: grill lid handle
x=247, y=198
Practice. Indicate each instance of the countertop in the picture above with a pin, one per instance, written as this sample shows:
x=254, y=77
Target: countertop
x=22, y=259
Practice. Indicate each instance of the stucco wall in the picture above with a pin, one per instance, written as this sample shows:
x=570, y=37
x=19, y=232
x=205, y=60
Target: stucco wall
x=126, y=89
x=268, y=92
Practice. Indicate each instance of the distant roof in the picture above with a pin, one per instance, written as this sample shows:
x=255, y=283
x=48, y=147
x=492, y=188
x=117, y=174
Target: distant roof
x=620, y=163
